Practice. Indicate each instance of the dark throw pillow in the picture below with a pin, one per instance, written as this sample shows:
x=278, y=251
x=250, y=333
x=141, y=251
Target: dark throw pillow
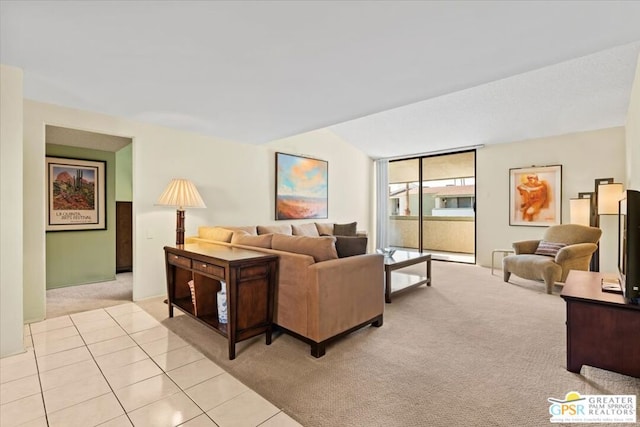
x=549, y=248
x=345, y=229
x=350, y=245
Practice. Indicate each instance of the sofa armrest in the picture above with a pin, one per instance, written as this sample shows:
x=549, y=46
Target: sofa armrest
x=577, y=250
x=290, y=310
x=525, y=246
x=344, y=293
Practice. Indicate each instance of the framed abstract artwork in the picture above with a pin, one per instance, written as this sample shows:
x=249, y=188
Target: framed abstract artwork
x=535, y=196
x=75, y=194
x=301, y=187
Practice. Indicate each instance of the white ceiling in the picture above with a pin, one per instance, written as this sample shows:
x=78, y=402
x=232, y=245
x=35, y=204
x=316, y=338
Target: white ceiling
x=393, y=78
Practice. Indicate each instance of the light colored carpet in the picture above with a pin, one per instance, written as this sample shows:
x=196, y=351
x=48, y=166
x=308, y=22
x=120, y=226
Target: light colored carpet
x=469, y=351
x=74, y=299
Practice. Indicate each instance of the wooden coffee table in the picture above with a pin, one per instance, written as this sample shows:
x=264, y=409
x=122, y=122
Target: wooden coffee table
x=404, y=281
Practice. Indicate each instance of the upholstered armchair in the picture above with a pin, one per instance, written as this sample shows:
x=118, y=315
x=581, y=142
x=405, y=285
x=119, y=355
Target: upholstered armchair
x=562, y=248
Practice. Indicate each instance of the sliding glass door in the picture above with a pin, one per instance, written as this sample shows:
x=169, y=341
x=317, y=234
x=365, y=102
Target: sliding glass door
x=403, y=208
x=431, y=205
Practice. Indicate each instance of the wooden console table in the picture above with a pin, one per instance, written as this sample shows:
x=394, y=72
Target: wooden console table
x=602, y=330
x=250, y=277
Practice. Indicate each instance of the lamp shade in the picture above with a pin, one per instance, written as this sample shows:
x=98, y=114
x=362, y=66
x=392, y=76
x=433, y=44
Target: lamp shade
x=608, y=197
x=580, y=211
x=181, y=193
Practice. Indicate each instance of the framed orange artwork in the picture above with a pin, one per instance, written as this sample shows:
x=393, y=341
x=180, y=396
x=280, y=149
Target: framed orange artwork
x=535, y=196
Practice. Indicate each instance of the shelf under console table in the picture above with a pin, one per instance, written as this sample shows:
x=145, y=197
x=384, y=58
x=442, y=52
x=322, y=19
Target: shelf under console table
x=250, y=277
x=602, y=329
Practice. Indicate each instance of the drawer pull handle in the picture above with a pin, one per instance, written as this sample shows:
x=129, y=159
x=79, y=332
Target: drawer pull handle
x=204, y=265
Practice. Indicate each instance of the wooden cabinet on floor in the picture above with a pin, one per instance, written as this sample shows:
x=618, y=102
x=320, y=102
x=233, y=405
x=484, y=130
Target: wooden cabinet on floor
x=602, y=328
x=124, y=237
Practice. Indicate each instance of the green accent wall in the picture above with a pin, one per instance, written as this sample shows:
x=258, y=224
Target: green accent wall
x=79, y=257
x=124, y=174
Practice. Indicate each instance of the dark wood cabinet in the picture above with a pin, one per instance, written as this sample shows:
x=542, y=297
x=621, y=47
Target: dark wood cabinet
x=250, y=278
x=602, y=329
x=124, y=237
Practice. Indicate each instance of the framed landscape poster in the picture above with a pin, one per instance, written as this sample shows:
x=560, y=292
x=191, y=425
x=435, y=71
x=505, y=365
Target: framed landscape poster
x=75, y=194
x=301, y=187
x=535, y=196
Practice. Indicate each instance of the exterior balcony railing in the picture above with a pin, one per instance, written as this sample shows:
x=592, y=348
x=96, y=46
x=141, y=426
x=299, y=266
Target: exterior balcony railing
x=440, y=233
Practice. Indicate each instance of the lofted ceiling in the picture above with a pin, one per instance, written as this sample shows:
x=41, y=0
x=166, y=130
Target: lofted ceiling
x=391, y=77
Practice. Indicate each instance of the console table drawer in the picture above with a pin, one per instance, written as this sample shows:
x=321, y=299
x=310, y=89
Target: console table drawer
x=212, y=269
x=179, y=260
x=246, y=273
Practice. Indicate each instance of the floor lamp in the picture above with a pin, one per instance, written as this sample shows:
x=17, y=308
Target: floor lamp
x=181, y=193
x=587, y=208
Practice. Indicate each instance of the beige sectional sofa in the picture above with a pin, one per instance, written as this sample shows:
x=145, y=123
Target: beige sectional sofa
x=319, y=296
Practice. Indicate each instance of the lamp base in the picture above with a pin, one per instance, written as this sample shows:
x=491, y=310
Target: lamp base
x=179, y=227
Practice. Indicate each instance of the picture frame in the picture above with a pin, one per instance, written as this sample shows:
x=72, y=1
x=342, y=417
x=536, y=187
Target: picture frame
x=535, y=196
x=76, y=194
x=301, y=187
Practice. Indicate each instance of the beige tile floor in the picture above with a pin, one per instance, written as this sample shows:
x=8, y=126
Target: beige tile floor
x=118, y=366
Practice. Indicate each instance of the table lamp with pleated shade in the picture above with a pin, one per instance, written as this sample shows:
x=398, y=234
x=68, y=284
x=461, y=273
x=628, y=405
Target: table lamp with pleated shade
x=181, y=193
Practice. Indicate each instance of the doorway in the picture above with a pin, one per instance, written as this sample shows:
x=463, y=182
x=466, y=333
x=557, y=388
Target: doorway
x=82, y=271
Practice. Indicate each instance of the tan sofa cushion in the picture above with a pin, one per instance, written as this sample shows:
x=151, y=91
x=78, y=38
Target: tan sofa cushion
x=246, y=239
x=305, y=230
x=324, y=228
x=320, y=248
x=250, y=229
x=275, y=229
x=217, y=234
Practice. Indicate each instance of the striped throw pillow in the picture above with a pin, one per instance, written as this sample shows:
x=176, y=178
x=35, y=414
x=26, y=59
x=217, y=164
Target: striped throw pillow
x=549, y=248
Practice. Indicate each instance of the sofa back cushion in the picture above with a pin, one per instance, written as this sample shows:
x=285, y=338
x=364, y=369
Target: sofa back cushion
x=217, y=234
x=324, y=228
x=345, y=229
x=250, y=229
x=305, y=230
x=246, y=239
x=320, y=248
x=275, y=229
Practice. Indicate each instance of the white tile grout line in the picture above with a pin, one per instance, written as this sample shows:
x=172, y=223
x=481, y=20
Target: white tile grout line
x=111, y=388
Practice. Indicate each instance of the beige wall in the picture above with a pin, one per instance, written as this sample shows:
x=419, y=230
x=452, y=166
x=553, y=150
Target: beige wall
x=584, y=157
x=235, y=180
x=11, y=171
x=350, y=174
x=633, y=134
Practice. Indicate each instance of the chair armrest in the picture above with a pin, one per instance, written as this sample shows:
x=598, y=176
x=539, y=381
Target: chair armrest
x=575, y=251
x=525, y=246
